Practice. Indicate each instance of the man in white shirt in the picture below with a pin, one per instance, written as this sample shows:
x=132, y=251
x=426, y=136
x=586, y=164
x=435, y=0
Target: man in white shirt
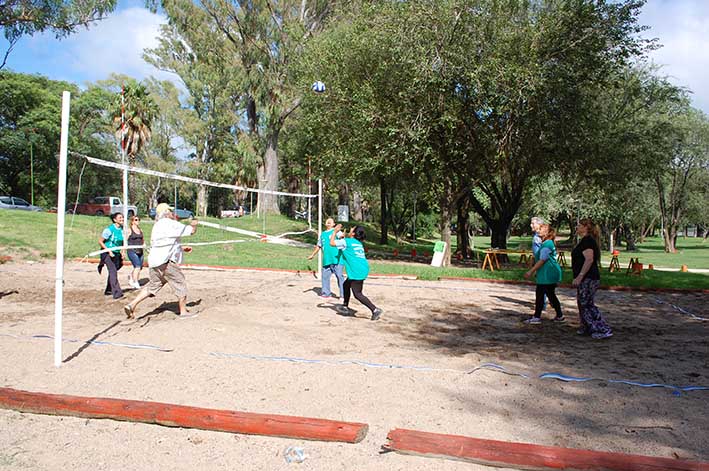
x=164, y=259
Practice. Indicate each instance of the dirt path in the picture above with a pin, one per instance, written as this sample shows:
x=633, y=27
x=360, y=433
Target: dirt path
x=263, y=342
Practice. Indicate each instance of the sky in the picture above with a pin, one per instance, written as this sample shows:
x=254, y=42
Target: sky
x=116, y=44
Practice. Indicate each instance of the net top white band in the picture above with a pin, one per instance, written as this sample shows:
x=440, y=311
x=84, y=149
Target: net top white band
x=173, y=176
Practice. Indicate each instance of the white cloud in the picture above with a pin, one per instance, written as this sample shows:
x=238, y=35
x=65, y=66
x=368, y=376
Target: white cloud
x=680, y=26
x=113, y=45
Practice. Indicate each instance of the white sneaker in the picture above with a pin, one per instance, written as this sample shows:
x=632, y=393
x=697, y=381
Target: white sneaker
x=135, y=284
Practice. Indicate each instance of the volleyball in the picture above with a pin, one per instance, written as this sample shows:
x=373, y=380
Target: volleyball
x=318, y=87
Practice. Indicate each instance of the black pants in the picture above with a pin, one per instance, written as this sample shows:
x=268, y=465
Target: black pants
x=113, y=264
x=356, y=287
x=549, y=291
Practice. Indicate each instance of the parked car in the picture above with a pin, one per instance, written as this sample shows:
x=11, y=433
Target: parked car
x=180, y=213
x=102, y=206
x=13, y=202
x=234, y=213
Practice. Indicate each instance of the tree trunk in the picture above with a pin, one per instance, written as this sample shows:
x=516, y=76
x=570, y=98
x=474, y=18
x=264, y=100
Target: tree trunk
x=463, y=230
x=629, y=239
x=292, y=200
x=268, y=175
x=444, y=225
x=670, y=238
x=384, y=218
x=357, y=214
x=202, y=199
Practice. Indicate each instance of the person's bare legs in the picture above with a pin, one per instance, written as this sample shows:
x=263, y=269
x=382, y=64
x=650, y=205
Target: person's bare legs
x=129, y=308
x=135, y=275
x=183, y=306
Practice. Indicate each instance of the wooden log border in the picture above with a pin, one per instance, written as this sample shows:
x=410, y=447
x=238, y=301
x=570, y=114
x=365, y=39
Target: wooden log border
x=172, y=415
x=527, y=456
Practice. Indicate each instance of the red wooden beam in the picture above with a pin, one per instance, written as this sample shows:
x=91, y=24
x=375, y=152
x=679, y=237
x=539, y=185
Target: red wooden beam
x=528, y=456
x=173, y=415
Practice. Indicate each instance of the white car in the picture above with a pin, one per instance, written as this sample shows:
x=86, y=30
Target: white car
x=13, y=202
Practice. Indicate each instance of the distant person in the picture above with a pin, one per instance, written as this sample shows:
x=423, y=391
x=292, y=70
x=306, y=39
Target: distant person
x=548, y=274
x=587, y=278
x=135, y=237
x=535, y=224
x=357, y=268
x=112, y=238
x=164, y=259
x=331, y=261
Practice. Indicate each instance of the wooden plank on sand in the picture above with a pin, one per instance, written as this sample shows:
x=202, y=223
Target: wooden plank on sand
x=527, y=456
x=173, y=415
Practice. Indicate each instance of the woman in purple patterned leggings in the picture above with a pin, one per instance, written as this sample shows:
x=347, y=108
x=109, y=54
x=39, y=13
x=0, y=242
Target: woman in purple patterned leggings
x=587, y=278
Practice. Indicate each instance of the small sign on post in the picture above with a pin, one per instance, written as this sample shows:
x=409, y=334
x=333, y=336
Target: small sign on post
x=439, y=249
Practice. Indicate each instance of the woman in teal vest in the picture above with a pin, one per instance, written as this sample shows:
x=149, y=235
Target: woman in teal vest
x=548, y=274
x=357, y=267
x=112, y=237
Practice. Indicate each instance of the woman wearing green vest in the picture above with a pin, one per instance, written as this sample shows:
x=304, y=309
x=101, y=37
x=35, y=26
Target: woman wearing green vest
x=357, y=269
x=331, y=261
x=112, y=237
x=548, y=274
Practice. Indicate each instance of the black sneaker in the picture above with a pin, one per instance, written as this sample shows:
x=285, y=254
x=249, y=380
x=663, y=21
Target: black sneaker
x=344, y=310
x=559, y=319
x=376, y=314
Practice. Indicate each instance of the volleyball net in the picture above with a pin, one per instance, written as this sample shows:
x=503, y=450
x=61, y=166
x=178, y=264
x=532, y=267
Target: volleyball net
x=244, y=221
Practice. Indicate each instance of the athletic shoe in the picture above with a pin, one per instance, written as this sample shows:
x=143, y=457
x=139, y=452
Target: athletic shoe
x=189, y=315
x=582, y=331
x=344, y=310
x=324, y=296
x=533, y=320
x=601, y=335
x=559, y=319
x=128, y=309
x=376, y=314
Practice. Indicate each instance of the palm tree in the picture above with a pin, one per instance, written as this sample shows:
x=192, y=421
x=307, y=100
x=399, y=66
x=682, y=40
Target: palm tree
x=134, y=111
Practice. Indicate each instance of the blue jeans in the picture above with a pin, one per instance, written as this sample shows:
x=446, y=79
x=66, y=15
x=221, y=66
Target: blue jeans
x=135, y=259
x=327, y=272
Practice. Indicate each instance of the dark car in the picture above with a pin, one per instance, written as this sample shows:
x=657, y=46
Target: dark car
x=13, y=202
x=180, y=213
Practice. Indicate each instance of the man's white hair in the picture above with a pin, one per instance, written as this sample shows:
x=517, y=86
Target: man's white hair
x=537, y=220
x=162, y=215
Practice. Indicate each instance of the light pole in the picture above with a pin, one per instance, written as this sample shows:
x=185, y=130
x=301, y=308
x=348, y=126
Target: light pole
x=31, y=132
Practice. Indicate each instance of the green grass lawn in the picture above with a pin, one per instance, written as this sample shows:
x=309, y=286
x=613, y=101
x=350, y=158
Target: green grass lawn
x=32, y=236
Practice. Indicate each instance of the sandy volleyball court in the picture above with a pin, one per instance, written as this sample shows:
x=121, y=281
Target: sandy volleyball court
x=264, y=342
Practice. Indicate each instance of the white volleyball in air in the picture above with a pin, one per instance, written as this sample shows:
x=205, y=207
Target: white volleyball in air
x=318, y=87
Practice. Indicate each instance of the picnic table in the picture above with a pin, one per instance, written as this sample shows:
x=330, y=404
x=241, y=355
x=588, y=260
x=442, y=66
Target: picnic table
x=526, y=258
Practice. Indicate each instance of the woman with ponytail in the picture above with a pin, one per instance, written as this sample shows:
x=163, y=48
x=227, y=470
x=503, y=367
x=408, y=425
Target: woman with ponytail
x=587, y=277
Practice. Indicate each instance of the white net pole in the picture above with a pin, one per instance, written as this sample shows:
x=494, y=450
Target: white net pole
x=125, y=170
x=61, y=205
x=319, y=274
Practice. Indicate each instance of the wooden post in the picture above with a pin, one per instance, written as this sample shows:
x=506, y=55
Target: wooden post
x=527, y=456
x=172, y=415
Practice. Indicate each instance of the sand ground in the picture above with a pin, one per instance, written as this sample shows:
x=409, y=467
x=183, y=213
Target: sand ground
x=232, y=356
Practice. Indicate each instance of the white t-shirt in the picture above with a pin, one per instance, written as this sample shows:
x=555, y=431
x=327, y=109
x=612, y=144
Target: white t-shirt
x=165, y=242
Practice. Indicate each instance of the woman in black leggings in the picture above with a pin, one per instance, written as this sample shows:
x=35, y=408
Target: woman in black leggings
x=357, y=268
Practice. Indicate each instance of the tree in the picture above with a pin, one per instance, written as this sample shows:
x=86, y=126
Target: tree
x=200, y=57
x=264, y=37
x=19, y=18
x=689, y=155
x=133, y=110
